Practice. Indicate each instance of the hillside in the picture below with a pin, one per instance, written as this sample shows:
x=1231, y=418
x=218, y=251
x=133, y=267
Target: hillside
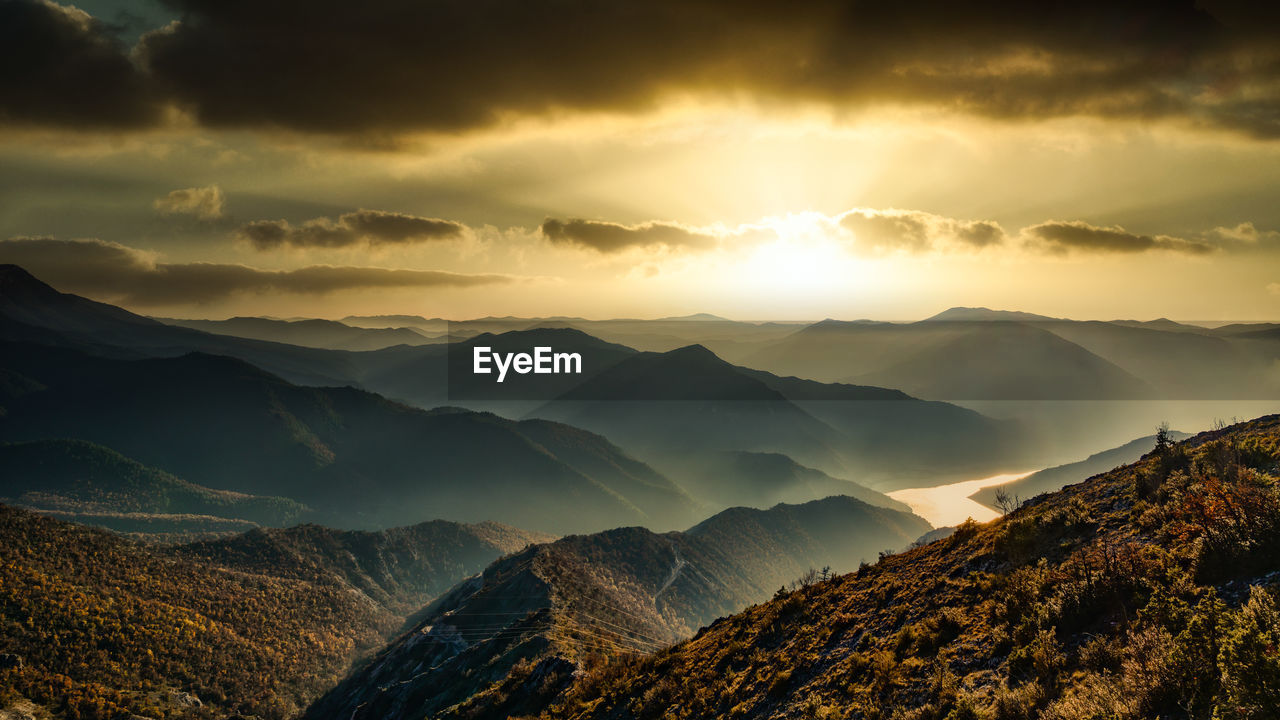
x=357, y=459
x=481, y=649
x=1054, y=478
x=82, y=481
x=1149, y=591
x=97, y=626
x=400, y=569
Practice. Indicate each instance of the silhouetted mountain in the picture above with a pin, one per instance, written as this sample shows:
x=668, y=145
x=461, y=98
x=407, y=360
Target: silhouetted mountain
x=357, y=459
x=1147, y=592
x=611, y=593
x=31, y=311
x=981, y=314
x=1054, y=478
x=1163, y=324
x=79, y=480
x=327, y=334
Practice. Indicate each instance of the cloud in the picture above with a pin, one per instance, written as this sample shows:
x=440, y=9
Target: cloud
x=609, y=237
x=364, y=67
x=206, y=203
x=1060, y=237
x=1245, y=233
x=379, y=68
x=917, y=232
x=62, y=68
x=370, y=227
x=133, y=277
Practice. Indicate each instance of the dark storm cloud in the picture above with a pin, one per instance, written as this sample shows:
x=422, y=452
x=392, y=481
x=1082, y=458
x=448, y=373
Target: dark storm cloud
x=126, y=275
x=372, y=227
x=609, y=237
x=61, y=68
x=386, y=65
x=1079, y=236
x=381, y=67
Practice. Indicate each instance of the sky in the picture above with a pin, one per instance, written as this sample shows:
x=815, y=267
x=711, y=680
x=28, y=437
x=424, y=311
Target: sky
x=625, y=158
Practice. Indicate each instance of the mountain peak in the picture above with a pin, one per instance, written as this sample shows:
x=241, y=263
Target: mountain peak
x=15, y=280
x=982, y=314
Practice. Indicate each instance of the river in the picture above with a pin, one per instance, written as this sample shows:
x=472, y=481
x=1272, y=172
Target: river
x=946, y=505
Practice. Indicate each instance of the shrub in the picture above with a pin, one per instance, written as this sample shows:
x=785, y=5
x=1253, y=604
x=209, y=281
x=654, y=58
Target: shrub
x=1249, y=660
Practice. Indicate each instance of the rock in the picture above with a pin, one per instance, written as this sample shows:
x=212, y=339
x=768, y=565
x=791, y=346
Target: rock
x=185, y=698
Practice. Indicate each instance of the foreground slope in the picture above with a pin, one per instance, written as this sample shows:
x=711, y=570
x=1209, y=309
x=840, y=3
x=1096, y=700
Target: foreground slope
x=482, y=650
x=1054, y=478
x=96, y=626
x=1149, y=591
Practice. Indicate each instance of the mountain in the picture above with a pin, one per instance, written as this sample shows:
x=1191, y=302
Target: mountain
x=1054, y=478
x=1007, y=361
x=83, y=481
x=357, y=459
x=666, y=406
x=981, y=314
x=431, y=326
x=1175, y=363
x=31, y=311
x=328, y=334
x=97, y=626
x=673, y=409
x=969, y=354
x=754, y=479
x=609, y=594
x=1147, y=592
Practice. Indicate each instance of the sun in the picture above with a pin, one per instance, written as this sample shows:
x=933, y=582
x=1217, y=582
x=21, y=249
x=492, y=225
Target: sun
x=805, y=258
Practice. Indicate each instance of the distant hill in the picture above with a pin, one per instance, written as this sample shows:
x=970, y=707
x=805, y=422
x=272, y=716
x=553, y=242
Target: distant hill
x=669, y=405
x=100, y=626
x=673, y=408
x=981, y=314
x=81, y=480
x=1055, y=478
x=328, y=334
x=358, y=460
x=1007, y=361
x=1147, y=592
x=750, y=479
x=974, y=354
x=611, y=593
